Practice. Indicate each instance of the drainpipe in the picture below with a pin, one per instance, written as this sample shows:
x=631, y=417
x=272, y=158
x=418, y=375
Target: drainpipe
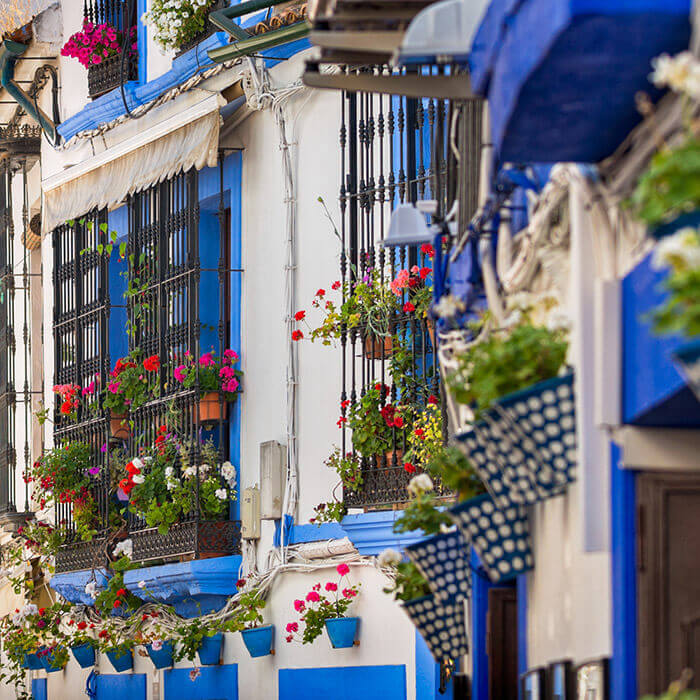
x=10, y=51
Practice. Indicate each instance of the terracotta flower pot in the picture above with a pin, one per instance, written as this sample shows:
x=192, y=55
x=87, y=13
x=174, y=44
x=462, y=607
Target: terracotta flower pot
x=209, y=408
x=119, y=426
x=378, y=347
x=389, y=454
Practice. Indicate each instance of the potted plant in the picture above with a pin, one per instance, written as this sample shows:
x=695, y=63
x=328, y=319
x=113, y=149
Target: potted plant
x=53, y=657
x=82, y=643
x=65, y=474
x=680, y=313
x=121, y=655
x=129, y=388
x=258, y=638
x=160, y=652
x=415, y=295
x=523, y=438
x=216, y=378
x=441, y=626
x=327, y=609
x=180, y=24
x=200, y=636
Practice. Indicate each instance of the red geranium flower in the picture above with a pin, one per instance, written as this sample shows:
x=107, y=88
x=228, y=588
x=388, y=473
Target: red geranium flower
x=299, y=315
x=427, y=249
x=409, y=468
x=321, y=293
x=152, y=363
x=398, y=422
x=66, y=407
x=424, y=272
x=297, y=335
x=408, y=307
x=335, y=285
x=82, y=625
x=117, y=603
x=432, y=399
x=121, y=592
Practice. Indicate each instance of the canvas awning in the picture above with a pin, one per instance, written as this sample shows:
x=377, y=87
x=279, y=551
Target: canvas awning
x=185, y=140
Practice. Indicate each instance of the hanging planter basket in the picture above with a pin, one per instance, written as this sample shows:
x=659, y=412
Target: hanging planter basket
x=443, y=560
x=49, y=662
x=121, y=660
x=163, y=657
x=499, y=535
x=342, y=631
x=84, y=654
x=31, y=662
x=441, y=626
x=524, y=448
x=687, y=357
x=210, y=651
x=259, y=641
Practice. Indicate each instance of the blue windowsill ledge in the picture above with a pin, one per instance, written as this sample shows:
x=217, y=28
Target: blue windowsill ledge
x=71, y=585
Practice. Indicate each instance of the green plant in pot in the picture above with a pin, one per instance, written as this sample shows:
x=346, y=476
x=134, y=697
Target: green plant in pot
x=407, y=582
x=456, y=473
x=423, y=511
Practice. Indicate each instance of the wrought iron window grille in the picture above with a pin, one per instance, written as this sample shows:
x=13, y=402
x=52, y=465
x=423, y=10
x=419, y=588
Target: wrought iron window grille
x=164, y=319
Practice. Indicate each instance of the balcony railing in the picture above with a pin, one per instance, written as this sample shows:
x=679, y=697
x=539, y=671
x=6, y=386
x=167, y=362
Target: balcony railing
x=119, y=68
x=392, y=148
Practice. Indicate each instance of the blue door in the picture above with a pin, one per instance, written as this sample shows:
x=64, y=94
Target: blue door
x=343, y=683
x=213, y=683
x=112, y=686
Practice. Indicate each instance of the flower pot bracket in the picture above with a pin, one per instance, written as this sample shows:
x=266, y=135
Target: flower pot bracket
x=442, y=626
x=500, y=536
x=443, y=560
x=525, y=447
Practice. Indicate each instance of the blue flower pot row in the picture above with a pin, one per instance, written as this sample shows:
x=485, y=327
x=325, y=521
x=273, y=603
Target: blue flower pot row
x=31, y=661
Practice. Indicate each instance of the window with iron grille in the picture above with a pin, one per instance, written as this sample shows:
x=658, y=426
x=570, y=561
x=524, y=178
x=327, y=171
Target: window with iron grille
x=394, y=150
x=113, y=71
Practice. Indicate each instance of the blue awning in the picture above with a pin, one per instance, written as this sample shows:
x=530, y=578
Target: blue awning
x=561, y=75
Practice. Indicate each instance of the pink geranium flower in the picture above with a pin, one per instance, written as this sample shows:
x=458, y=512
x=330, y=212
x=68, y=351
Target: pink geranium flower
x=313, y=597
x=299, y=605
x=343, y=569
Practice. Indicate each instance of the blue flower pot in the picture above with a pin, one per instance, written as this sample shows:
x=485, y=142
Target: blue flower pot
x=342, y=631
x=163, y=658
x=441, y=626
x=687, y=357
x=84, y=654
x=444, y=561
x=31, y=661
x=524, y=448
x=210, y=651
x=499, y=535
x=49, y=663
x=259, y=640
x=123, y=661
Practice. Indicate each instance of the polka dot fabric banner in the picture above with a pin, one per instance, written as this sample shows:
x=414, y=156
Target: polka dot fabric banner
x=444, y=561
x=441, y=626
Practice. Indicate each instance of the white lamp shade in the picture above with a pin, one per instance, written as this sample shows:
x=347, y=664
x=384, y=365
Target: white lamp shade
x=407, y=227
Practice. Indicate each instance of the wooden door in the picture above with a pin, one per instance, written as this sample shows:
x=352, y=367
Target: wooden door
x=668, y=565
x=502, y=643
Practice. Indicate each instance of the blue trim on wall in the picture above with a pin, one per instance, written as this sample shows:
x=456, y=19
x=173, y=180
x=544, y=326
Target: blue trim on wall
x=521, y=583
x=142, y=33
x=343, y=683
x=623, y=665
x=39, y=689
x=220, y=682
x=428, y=674
x=113, y=686
x=480, y=606
x=118, y=220
x=71, y=585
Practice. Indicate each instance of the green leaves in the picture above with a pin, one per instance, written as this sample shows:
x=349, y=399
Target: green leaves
x=408, y=583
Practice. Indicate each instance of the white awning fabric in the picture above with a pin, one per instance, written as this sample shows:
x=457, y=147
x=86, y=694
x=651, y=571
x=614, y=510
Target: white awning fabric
x=104, y=181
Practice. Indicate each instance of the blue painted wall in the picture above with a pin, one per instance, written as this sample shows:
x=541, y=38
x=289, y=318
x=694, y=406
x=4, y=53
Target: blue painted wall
x=214, y=683
x=346, y=683
x=118, y=221
x=623, y=665
x=480, y=606
x=120, y=686
x=428, y=674
x=39, y=689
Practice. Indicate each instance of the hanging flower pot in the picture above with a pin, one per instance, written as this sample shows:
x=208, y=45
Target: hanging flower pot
x=210, y=651
x=499, y=535
x=378, y=347
x=443, y=560
x=50, y=660
x=84, y=654
x=162, y=657
x=687, y=357
x=524, y=448
x=119, y=426
x=210, y=411
x=121, y=659
x=342, y=631
x=441, y=626
x=259, y=640
x=31, y=661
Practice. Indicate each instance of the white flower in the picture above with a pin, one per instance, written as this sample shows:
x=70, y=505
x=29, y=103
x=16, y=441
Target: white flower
x=142, y=584
x=169, y=471
x=148, y=459
x=204, y=468
x=558, y=321
x=137, y=463
x=190, y=471
x=389, y=557
x=680, y=72
x=228, y=472
x=449, y=306
x=680, y=251
x=125, y=548
x=172, y=484
x=420, y=483
x=221, y=494
x=29, y=609
x=91, y=589
x=157, y=644
x=520, y=300
x=17, y=619
x=138, y=478
x=513, y=318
